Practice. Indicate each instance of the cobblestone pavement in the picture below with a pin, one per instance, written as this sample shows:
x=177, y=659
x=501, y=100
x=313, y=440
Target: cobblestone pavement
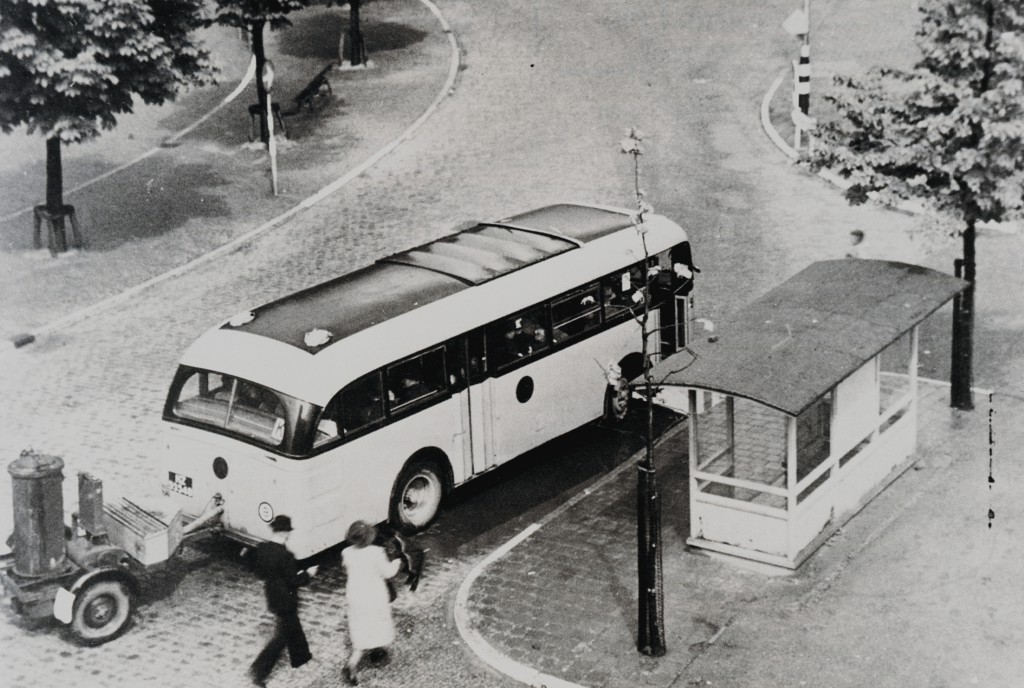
x=535, y=117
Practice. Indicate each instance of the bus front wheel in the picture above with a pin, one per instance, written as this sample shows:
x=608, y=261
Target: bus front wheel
x=616, y=403
x=416, y=498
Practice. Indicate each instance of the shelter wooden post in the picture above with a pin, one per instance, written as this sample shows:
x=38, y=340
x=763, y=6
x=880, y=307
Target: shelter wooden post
x=791, y=480
x=912, y=367
x=730, y=433
x=694, y=460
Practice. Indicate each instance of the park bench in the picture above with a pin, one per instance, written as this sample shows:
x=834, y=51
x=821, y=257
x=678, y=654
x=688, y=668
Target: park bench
x=317, y=86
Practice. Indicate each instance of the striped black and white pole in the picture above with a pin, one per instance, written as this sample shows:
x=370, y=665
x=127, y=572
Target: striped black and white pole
x=803, y=78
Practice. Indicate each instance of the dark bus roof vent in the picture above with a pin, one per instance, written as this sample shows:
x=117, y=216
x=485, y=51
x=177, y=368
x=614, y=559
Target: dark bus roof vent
x=484, y=252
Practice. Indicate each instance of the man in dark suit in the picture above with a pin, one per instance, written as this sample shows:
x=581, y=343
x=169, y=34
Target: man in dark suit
x=280, y=573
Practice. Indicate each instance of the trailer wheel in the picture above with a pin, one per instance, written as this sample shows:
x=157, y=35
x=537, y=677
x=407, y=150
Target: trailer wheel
x=416, y=497
x=101, y=611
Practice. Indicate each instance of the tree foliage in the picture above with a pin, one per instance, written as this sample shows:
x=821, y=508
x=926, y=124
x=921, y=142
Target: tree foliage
x=247, y=13
x=950, y=131
x=68, y=68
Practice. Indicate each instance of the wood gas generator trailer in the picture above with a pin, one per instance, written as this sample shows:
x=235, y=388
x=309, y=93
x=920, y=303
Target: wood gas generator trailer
x=86, y=574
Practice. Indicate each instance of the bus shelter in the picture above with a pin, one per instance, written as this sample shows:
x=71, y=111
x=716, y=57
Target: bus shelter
x=803, y=407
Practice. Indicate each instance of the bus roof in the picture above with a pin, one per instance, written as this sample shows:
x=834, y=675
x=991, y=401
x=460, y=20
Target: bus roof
x=401, y=282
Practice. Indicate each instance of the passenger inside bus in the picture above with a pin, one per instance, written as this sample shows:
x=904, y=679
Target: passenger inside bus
x=258, y=398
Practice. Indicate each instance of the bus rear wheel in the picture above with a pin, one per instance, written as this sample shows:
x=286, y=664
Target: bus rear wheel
x=416, y=498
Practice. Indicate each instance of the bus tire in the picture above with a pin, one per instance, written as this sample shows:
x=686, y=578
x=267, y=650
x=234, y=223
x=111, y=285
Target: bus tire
x=101, y=611
x=616, y=403
x=416, y=497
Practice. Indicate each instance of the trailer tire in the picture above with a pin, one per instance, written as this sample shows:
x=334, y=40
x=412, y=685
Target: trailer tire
x=416, y=497
x=102, y=611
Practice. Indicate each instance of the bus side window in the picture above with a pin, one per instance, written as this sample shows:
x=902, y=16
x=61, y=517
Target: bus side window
x=618, y=292
x=361, y=403
x=518, y=336
x=417, y=378
x=327, y=427
x=576, y=313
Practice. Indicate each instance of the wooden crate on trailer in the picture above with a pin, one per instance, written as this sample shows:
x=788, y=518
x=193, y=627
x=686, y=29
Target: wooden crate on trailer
x=148, y=530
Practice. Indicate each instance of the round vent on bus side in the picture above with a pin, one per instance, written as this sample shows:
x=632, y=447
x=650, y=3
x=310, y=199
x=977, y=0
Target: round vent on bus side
x=220, y=467
x=524, y=390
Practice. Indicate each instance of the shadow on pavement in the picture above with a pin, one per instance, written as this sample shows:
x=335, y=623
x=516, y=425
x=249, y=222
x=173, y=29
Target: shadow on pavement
x=170, y=198
x=389, y=36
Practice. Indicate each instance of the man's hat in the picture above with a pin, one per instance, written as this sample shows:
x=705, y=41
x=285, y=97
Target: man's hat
x=281, y=524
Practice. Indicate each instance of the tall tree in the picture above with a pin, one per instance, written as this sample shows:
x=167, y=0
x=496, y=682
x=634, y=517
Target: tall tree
x=253, y=16
x=948, y=132
x=68, y=68
x=650, y=602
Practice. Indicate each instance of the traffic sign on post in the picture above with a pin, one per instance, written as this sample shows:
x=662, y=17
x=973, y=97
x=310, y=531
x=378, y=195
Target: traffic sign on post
x=797, y=24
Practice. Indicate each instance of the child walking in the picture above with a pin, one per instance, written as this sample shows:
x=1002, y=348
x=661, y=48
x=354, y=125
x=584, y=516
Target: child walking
x=370, y=625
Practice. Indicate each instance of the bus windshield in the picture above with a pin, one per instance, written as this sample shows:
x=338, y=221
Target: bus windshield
x=234, y=406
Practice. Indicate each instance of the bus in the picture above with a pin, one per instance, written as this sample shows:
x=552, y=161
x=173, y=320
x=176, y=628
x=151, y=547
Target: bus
x=372, y=395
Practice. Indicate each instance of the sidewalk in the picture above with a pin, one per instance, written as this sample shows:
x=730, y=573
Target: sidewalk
x=913, y=591
x=211, y=186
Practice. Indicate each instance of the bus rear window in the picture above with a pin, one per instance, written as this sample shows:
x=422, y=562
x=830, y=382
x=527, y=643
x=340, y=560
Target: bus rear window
x=232, y=404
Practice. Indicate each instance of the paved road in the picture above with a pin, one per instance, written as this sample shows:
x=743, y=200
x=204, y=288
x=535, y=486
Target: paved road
x=544, y=98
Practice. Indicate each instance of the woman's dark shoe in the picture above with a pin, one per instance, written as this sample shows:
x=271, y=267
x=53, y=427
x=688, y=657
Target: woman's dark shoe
x=379, y=657
x=349, y=676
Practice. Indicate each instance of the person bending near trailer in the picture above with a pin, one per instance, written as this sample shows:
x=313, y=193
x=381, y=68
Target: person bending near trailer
x=276, y=565
x=370, y=626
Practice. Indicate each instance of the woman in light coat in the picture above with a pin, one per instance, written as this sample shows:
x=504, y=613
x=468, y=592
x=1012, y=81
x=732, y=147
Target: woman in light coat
x=369, y=606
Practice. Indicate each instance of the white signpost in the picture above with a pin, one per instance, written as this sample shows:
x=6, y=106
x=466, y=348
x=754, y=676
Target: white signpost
x=268, y=82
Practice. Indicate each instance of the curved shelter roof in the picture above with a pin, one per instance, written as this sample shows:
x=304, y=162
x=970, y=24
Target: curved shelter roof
x=791, y=346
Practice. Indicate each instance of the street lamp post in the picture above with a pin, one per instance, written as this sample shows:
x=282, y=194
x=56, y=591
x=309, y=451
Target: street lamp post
x=267, y=77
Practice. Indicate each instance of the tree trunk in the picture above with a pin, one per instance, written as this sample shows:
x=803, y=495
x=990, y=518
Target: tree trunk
x=55, y=193
x=650, y=610
x=960, y=376
x=354, y=46
x=261, y=93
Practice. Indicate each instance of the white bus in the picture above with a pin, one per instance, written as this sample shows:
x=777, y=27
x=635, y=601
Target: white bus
x=372, y=395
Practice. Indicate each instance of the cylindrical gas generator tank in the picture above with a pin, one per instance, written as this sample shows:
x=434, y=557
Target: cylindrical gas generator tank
x=39, y=547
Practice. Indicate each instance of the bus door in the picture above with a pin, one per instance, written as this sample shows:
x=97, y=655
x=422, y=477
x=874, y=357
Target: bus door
x=672, y=323
x=477, y=405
